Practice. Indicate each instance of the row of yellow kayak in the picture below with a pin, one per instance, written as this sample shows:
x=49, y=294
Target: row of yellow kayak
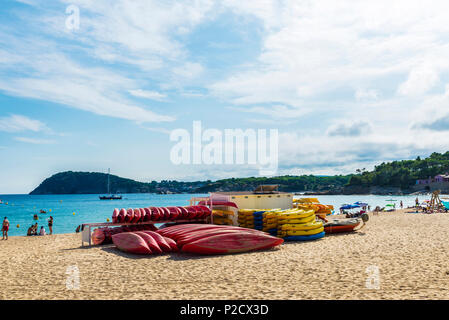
x=223, y=217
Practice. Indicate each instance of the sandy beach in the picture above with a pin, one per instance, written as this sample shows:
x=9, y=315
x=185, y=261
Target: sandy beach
x=411, y=252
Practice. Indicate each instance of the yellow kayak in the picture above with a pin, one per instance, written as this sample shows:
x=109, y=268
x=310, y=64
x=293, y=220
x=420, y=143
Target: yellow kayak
x=302, y=227
x=222, y=213
x=297, y=221
x=301, y=215
x=304, y=232
x=300, y=232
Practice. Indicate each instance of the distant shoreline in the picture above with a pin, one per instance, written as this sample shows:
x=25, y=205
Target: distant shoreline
x=306, y=194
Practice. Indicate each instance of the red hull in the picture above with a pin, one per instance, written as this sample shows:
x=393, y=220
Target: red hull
x=232, y=243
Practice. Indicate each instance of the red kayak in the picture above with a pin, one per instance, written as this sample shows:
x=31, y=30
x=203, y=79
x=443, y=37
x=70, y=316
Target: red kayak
x=184, y=213
x=129, y=215
x=341, y=225
x=136, y=216
x=192, y=213
x=181, y=231
x=147, y=216
x=115, y=215
x=232, y=243
x=174, y=212
x=218, y=203
x=176, y=231
x=121, y=215
x=155, y=215
x=194, y=236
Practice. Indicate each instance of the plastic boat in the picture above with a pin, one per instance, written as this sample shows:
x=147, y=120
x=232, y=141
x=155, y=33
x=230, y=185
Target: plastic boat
x=341, y=225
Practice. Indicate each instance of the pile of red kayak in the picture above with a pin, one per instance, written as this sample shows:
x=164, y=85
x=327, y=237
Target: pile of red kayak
x=218, y=239
x=143, y=242
x=159, y=214
x=203, y=239
x=104, y=235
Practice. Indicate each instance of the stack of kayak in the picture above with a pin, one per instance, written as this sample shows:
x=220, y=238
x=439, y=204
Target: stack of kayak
x=258, y=219
x=104, y=235
x=246, y=218
x=270, y=221
x=321, y=210
x=144, y=242
x=223, y=217
x=216, y=239
x=160, y=213
x=299, y=225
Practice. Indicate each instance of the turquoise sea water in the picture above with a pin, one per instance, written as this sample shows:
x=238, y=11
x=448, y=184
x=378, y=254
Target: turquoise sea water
x=88, y=208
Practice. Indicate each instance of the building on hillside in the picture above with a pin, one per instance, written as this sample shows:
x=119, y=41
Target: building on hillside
x=424, y=181
x=442, y=178
x=439, y=182
x=438, y=178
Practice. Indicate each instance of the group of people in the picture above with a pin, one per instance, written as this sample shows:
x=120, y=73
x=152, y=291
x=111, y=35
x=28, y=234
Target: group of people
x=32, y=231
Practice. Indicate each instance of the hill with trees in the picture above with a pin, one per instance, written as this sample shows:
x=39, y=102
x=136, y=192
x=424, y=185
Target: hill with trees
x=96, y=183
x=402, y=174
x=390, y=177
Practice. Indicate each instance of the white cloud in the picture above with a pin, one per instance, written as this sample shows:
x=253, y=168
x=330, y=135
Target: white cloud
x=308, y=153
x=188, y=71
x=17, y=123
x=55, y=77
x=275, y=112
x=319, y=48
x=140, y=34
x=142, y=29
x=420, y=80
x=34, y=140
x=366, y=94
x=353, y=128
x=153, y=95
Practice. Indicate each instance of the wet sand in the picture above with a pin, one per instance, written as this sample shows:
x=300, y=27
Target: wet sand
x=410, y=251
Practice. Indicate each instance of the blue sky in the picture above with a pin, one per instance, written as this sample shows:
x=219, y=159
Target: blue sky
x=347, y=85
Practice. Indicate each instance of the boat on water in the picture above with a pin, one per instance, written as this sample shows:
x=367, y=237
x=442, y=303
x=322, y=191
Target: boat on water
x=110, y=196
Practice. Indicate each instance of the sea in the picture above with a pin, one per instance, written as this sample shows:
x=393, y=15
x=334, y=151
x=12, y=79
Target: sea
x=70, y=211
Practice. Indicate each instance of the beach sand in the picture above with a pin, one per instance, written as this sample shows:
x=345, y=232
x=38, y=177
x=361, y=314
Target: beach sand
x=411, y=252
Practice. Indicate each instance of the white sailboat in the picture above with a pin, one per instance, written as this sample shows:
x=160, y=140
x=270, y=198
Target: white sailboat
x=110, y=196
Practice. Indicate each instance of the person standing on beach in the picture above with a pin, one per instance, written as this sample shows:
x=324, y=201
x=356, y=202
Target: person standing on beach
x=5, y=228
x=50, y=224
x=402, y=205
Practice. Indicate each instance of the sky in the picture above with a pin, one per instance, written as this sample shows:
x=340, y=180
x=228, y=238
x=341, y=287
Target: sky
x=348, y=84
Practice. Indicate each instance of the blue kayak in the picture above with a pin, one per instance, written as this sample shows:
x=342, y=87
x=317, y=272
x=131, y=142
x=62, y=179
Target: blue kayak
x=305, y=238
